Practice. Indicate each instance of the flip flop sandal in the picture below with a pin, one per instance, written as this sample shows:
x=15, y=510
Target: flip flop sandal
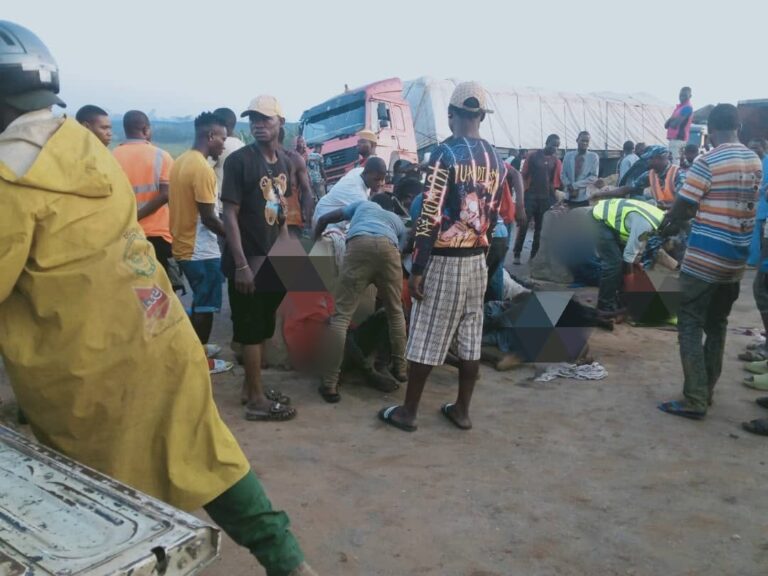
x=760, y=367
x=762, y=401
x=385, y=415
x=755, y=355
x=277, y=396
x=277, y=413
x=757, y=382
x=272, y=395
x=759, y=426
x=446, y=410
x=677, y=408
x=330, y=396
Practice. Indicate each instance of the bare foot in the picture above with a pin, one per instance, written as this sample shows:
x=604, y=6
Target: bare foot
x=508, y=361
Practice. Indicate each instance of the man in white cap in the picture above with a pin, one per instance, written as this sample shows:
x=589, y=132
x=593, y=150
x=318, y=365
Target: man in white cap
x=256, y=181
x=366, y=146
x=101, y=356
x=448, y=277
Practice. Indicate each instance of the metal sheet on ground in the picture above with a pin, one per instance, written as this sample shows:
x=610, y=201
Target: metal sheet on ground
x=60, y=518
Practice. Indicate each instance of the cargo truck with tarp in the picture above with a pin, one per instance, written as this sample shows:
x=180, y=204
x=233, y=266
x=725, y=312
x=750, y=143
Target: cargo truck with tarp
x=523, y=118
x=410, y=118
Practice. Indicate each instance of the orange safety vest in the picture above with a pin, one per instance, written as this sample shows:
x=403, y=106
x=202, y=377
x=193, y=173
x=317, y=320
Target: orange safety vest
x=147, y=167
x=664, y=193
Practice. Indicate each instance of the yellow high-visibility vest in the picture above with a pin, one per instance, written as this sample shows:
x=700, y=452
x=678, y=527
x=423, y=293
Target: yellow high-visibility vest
x=614, y=212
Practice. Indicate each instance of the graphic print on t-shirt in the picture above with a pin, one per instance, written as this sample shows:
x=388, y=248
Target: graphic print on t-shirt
x=273, y=189
x=462, y=192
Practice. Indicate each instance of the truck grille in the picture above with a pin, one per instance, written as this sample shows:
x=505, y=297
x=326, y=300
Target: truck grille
x=339, y=162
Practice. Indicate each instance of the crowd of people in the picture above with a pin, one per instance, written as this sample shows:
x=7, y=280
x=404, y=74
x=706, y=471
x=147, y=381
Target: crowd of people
x=96, y=242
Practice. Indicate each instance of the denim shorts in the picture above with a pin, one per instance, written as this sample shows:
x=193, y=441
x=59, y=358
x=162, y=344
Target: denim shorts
x=205, y=279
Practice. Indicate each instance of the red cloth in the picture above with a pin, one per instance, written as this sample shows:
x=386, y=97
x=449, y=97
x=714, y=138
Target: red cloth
x=305, y=319
x=638, y=281
x=507, y=207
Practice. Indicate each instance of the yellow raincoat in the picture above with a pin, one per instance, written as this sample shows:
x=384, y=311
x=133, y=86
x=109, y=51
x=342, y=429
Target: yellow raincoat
x=100, y=353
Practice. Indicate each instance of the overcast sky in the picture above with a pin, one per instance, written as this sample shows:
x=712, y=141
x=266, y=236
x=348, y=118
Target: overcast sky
x=179, y=58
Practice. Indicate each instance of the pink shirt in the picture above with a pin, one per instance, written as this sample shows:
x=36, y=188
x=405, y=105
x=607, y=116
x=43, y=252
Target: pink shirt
x=683, y=131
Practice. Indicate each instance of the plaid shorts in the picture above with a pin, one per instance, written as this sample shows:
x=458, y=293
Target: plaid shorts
x=452, y=308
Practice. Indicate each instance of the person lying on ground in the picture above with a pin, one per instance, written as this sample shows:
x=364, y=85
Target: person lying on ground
x=366, y=344
x=507, y=326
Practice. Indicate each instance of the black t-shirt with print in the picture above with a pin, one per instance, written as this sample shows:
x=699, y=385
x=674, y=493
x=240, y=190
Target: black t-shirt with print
x=258, y=188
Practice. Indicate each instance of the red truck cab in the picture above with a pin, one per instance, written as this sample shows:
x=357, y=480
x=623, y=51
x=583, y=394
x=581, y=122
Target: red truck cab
x=379, y=107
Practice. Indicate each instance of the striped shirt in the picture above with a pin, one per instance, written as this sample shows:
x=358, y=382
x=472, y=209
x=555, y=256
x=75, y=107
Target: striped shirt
x=724, y=184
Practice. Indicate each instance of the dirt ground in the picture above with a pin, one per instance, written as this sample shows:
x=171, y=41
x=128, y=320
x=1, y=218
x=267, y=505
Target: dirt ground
x=560, y=478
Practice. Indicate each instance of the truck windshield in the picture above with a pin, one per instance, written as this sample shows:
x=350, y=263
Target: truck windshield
x=334, y=123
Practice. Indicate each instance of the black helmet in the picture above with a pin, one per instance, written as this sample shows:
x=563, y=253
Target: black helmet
x=29, y=76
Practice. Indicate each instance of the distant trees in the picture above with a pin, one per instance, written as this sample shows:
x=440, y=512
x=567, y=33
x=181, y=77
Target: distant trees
x=176, y=135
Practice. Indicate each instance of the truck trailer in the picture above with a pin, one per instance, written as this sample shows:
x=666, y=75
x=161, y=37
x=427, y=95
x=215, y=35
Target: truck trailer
x=522, y=118
x=410, y=119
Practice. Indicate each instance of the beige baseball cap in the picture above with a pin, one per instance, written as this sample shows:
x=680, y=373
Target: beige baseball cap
x=265, y=105
x=367, y=135
x=470, y=96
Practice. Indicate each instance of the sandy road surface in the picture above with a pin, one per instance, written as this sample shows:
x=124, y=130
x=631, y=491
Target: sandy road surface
x=562, y=478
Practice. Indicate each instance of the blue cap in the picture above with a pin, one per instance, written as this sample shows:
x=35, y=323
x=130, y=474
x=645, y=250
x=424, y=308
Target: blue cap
x=655, y=150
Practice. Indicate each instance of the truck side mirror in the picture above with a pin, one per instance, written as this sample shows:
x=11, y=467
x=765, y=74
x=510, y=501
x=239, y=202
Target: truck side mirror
x=383, y=115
